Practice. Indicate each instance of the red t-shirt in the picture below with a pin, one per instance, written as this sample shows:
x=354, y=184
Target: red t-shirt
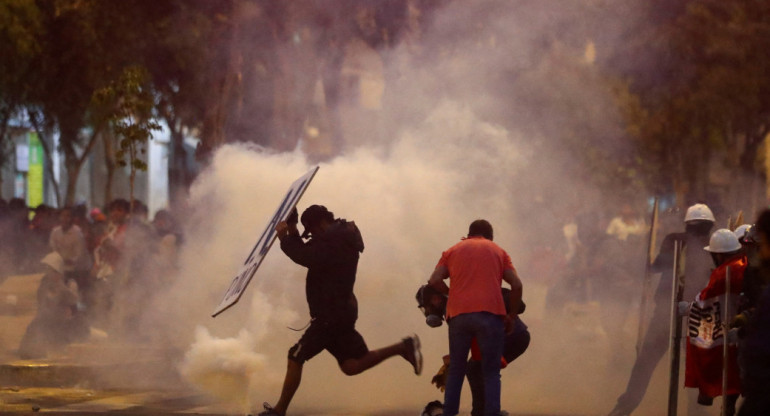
x=476, y=268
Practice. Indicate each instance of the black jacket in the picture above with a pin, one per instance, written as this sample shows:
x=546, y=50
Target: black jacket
x=332, y=260
x=697, y=270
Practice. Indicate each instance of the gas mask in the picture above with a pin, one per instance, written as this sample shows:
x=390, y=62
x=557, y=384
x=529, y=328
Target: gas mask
x=432, y=303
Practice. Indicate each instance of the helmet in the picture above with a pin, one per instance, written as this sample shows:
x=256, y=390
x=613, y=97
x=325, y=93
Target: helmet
x=742, y=232
x=723, y=241
x=699, y=212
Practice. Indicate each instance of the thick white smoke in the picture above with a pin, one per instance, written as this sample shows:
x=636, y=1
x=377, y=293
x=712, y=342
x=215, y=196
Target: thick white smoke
x=410, y=203
x=440, y=165
x=223, y=367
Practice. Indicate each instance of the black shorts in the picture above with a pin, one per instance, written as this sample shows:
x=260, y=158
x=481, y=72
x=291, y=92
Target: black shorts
x=343, y=342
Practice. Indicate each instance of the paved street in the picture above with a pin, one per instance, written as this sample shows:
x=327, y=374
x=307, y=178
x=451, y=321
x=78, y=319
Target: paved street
x=99, y=377
x=62, y=383
x=84, y=402
x=70, y=401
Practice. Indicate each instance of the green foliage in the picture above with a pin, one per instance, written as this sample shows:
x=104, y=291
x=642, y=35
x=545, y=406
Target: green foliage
x=19, y=45
x=710, y=95
x=689, y=78
x=129, y=101
x=19, y=48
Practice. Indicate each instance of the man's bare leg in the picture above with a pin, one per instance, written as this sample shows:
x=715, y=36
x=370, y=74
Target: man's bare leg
x=290, y=386
x=408, y=348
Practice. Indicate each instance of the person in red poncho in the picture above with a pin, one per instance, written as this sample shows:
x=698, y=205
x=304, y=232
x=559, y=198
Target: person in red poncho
x=706, y=330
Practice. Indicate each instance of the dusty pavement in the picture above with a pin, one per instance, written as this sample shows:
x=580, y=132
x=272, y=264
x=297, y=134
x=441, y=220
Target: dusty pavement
x=100, y=377
x=94, y=377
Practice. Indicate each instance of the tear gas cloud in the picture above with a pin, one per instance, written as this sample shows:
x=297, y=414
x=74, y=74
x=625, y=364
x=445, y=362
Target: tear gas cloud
x=440, y=165
x=223, y=367
x=410, y=206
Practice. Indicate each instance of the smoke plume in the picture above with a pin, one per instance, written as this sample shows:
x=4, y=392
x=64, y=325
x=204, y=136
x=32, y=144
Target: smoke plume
x=463, y=138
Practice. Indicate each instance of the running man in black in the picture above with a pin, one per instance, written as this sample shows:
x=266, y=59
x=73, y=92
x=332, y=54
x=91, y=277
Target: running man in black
x=331, y=257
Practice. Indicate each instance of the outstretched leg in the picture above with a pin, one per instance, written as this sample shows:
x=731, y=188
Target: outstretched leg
x=408, y=348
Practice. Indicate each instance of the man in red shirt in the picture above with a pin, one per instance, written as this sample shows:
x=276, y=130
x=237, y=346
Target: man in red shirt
x=476, y=267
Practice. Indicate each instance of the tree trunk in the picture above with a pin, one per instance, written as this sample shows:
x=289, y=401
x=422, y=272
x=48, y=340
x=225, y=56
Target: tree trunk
x=331, y=75
x=220, y=84
x=73, y=172
x=132, y=172
x=72, y=161
x=109, y=164
x=212, y=131
x=178, y=175
x=681, y=191
x=4, y=119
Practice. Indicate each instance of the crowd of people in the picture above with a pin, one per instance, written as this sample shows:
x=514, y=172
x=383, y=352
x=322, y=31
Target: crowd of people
x=100, y=267
x=720, y=298
x=604, y=268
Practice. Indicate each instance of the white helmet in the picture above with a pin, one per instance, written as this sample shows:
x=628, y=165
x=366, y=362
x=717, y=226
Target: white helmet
x=699, y=212
x=723, y=241
x=742, y=231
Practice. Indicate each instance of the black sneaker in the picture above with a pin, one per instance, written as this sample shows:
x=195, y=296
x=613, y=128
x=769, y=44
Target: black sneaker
x=413, y=353
x=269, y=411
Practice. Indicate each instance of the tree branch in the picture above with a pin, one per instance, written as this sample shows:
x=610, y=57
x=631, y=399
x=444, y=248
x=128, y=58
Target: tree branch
x=91, y=142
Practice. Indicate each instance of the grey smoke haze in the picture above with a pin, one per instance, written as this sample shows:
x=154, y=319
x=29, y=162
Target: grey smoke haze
x=458, y=143
x=409, y=205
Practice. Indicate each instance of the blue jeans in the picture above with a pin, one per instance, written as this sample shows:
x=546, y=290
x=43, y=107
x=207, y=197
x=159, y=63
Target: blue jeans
x=488, y=329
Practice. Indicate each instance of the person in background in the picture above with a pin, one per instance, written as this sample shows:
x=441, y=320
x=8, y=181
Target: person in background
x=109, y=266
x=169, y=238
x=755, y=278
x=57, y=321
x=140, y=214
x=698, y=222
x=755, y=347
x=140, y=279
x=80, y=218
x=67, y=239
x=97, y=229
x=40, y=227
x=626, y=224
x=706, y=332
x=17, y=235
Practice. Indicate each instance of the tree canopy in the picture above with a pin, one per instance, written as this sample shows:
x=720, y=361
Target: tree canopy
x=685, y=80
